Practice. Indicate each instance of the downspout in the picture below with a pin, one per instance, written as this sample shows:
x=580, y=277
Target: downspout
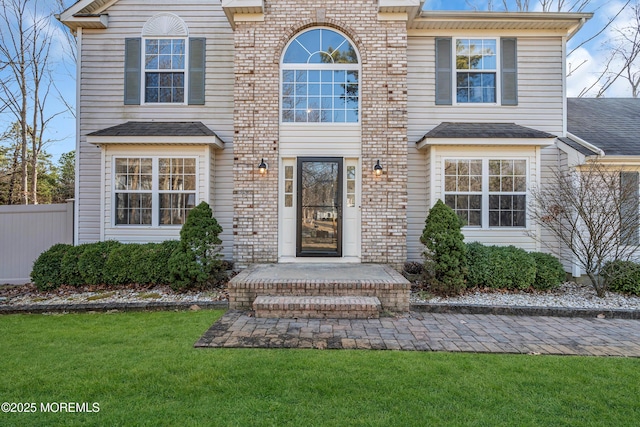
x=76, y=205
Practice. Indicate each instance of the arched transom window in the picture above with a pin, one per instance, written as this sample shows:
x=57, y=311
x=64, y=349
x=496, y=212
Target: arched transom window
x=320, y=79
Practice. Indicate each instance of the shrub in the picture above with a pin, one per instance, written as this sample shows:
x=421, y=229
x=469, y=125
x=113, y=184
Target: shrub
x=93, y=259
x=47, y=272
x=150, y=263
x=196, y=261
x=478, y=265
x=71, y=274
x=500, y=267
x=549, y=271
x=445, y=254
x=622, y=276
x=109, y=262
x=144, y=264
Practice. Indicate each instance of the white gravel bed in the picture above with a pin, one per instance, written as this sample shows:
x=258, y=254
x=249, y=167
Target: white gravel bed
x=568, y=295
x=113, y=296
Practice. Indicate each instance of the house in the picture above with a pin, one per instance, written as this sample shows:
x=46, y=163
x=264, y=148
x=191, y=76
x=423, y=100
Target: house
x=605, y=131
x=315, y=130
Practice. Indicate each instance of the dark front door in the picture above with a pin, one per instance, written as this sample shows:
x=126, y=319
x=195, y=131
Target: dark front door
x=319, y=216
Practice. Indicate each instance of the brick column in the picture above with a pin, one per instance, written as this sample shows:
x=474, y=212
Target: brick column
x=383, y=51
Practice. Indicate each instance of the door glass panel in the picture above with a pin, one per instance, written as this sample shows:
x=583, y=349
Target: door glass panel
x=320, y=208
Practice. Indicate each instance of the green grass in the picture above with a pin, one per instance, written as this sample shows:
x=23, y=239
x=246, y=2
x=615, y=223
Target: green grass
x=142, y=369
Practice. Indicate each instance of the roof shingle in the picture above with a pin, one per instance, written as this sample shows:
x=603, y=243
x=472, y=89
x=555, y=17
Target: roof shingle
x=156, y=129
x=484, y=130
x=611, y=124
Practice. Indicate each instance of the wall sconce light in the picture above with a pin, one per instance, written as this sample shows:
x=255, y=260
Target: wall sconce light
x=262, y=167
x=377, y=169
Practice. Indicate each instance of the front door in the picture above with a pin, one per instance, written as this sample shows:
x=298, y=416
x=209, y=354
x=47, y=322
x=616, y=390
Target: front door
x=319, y=216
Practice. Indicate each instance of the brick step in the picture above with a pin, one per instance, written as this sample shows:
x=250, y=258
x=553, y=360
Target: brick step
x=317, y=307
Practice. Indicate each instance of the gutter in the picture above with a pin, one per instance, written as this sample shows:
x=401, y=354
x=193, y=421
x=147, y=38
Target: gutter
x=585, y=144
x=577, y=28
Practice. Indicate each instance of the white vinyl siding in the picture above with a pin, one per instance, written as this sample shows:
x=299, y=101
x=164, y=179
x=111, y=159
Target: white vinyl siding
x=418, y=199
x=101, y=102
x=221, y=195
x=321, y=140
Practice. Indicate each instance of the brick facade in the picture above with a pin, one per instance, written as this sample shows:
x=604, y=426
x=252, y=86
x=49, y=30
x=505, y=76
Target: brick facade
x=382, y=46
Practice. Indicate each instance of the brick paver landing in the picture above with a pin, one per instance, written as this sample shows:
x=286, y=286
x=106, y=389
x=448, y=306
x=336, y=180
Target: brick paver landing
x=432, y=332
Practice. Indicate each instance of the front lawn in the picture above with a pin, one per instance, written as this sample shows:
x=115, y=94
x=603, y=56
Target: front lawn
x=142, y=369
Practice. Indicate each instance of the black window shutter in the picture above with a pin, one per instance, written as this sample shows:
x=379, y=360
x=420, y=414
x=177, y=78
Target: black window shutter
x=444, y=73
x=630, y=207
x=196, y=71
x=132, y=58
x=509, y=71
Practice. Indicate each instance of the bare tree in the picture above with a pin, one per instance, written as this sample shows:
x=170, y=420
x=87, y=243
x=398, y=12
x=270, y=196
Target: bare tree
x=526, y=5
x=593, y=211
x=26, y=36
x=624, y=60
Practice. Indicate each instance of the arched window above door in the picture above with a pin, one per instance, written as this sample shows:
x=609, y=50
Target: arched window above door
x=320, y=73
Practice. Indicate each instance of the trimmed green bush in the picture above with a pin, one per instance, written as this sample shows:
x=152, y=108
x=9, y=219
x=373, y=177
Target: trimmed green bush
x=93, y=259
x=109, y=262
x=445, y=254
x=70, y=266
x=120, y=267
x=623, y=276
x=478, y=265
x=46, y=273
x=500, y=267
x=549, y=271
x=197, y=259
x=151, y=263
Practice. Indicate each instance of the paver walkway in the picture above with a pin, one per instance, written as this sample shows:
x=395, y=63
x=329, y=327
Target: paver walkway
x=433, y=332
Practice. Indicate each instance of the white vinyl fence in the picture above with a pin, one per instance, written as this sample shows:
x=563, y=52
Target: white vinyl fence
x=28, y=230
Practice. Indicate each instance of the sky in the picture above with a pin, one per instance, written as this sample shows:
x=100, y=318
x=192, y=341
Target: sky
x=590, y=57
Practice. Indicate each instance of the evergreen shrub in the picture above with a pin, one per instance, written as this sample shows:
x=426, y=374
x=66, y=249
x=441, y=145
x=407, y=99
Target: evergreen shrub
x=623, y=276
x=70, y=266
x=110, y=263
x=93, y=259
x=445, y=253
x=549, y=271
x=197, y=259
x=46, y=273
x=500, y=267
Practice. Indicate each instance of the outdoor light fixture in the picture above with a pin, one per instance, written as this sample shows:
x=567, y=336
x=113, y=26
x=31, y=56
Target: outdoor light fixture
x=377, y=169
x=262, y=167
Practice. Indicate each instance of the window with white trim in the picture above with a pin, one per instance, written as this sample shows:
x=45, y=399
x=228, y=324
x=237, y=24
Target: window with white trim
x=476, y=64
x=164, y=70
x=154, y=191
x=320, y=79
x=487, y=192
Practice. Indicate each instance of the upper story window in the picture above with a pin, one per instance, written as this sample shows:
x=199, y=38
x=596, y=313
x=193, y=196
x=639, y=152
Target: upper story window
x=164, y=70
x=164, y=66
x=320, y=79
x=476, y=70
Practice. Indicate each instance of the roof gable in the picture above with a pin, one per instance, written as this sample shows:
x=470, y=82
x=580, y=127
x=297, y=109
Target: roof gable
x=86, y=14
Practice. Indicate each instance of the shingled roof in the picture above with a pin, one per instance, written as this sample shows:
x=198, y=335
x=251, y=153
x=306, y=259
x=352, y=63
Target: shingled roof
x=611, y=124
x=484, y=130
x=156, y=129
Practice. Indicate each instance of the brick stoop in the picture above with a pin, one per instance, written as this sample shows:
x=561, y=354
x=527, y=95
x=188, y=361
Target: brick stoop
x=317, y=307
x=378, y=281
